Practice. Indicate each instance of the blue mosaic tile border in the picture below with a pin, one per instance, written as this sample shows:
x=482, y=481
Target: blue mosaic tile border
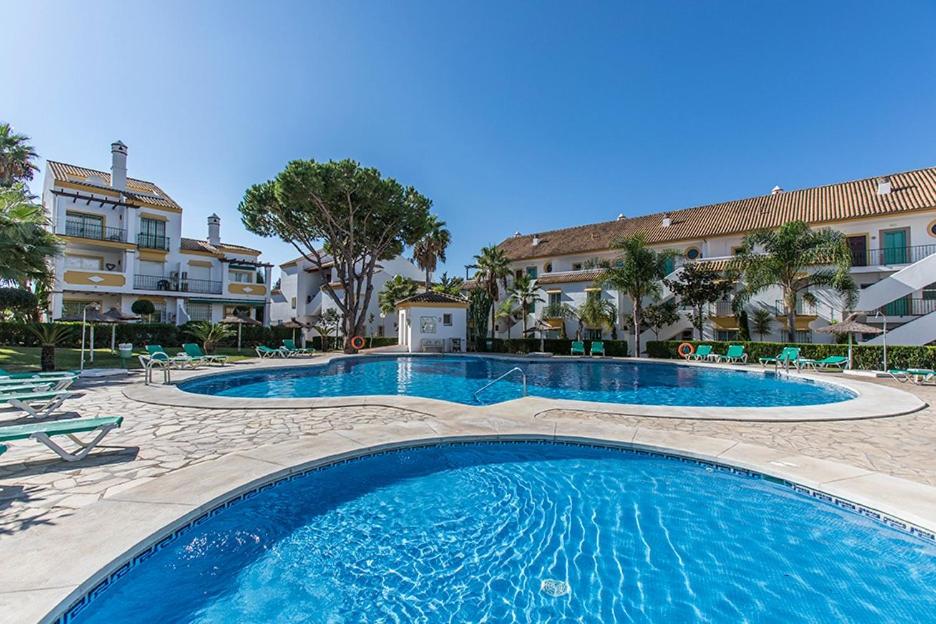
x=81, y=603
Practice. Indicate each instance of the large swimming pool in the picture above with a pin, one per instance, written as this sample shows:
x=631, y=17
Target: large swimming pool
x=458, y=378
x=527, y=532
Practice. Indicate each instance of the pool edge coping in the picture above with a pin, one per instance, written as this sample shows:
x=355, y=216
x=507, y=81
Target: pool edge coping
x=871, y=400
x=257, y=468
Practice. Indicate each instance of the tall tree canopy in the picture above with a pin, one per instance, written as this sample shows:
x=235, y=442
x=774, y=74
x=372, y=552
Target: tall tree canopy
x=347, y=211
x=638, y=273
x=394, y=291
x=493, y=269
x=16, y=157
x=697, y=285
x=795, y=258
x=430, y=248
x=25, y=240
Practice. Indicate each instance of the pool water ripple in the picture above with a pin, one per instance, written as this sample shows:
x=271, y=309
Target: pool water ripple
x=470, y=533
x=458, y=378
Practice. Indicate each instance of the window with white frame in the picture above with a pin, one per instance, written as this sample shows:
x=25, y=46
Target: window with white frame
x=87, y=263
x=243, y=277
x=199, y=311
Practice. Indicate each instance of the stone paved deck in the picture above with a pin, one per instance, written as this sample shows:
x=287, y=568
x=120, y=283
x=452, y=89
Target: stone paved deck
x=36, y=488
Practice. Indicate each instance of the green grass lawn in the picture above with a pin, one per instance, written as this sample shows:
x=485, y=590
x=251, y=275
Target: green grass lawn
x=27, y=358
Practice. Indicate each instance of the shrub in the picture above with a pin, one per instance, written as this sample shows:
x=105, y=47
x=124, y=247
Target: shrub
x=143, y=307
x=17, y=300
x=866, y=357
x=556, y=346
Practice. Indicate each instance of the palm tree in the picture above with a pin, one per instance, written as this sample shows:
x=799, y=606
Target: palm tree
x=637, y=273
x=788, y=257
x=508, y=312
x=16, y=156
x=761, y=322
x=449, y=285
x=210, y=334
x=25, y=242
x=394, y=291
x=526, y=293
x=49, y=335
x=597, y=313
x=561, y=311
x=493, y=269
x=430, y=249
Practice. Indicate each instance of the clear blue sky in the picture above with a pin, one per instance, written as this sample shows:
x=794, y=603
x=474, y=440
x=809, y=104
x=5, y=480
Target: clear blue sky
x=524, y=117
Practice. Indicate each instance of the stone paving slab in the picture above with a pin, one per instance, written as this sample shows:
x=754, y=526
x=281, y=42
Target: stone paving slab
x=161, y=450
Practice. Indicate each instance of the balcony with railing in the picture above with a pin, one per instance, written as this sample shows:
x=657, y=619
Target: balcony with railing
x=909, y=306
x=153, y=241
x=891, y=255
x=83, y=228
x=173, y=284
x=803, y=308
x=721, y=309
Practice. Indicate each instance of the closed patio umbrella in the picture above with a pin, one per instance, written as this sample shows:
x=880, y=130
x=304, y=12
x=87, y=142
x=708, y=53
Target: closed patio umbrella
x=240, y=321
x=90, y=315
x=849, y=326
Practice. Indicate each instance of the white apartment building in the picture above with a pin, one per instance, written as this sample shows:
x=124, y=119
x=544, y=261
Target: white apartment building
x=123, y=242
x=890, y=223
x=301, y=294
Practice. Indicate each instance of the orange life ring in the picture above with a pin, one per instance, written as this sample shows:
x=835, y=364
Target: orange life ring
x=357, y=342
x=685, y=350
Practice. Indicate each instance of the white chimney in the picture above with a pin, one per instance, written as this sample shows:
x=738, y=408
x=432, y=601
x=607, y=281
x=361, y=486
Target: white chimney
x=214, y=230
x=621, y=217
x=119, y=165
x=536, y=240
x=883, y=185
x=666, y=221
x=776, y=190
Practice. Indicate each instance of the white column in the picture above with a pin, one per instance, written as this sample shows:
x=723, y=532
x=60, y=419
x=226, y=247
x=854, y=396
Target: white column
x=268, y=299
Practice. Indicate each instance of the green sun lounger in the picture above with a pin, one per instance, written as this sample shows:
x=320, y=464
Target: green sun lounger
x=789, y=355
x=54, y=383
x=704, y=352
x=44, y=432
x=833, y=361
x=158, y=354
x=292, y=350
x=578, y=348
x=734, y=355
x=46, y=375
x=36, y=404
x=597, y=348
x=918, y=376
x=195, y=352
x=264, y=351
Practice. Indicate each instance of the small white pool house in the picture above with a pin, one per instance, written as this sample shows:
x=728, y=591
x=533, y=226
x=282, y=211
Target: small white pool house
x=433, y=322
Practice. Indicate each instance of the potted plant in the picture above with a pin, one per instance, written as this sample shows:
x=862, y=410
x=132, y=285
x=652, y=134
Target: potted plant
x=49, y=335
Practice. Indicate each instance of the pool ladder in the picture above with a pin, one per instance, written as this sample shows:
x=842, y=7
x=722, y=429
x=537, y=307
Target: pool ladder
x=515, y=369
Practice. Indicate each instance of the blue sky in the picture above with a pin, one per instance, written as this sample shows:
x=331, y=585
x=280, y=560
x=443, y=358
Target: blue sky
x=527, y=116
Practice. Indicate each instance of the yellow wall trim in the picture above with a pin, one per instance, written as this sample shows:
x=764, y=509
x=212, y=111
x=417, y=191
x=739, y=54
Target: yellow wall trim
x=144, y=204
x=201, y=263
x=152, y=255
x=144, y=215
x=420, y=304
x=97, y=243
x=237, y=288
x=94, y=278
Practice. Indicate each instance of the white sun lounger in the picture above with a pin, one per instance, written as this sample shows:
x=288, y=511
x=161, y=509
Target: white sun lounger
x=37, y=404
x=43, y=433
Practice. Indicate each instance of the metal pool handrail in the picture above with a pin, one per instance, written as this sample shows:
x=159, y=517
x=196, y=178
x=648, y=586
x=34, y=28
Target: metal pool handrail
x=515, y=369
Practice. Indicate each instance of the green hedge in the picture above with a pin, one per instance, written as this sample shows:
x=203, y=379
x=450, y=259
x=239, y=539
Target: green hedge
x=617, y=348
x=867, y=357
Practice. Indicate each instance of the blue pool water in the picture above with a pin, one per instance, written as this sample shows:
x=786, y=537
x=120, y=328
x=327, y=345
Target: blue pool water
x=456, y=378
x=528, y=532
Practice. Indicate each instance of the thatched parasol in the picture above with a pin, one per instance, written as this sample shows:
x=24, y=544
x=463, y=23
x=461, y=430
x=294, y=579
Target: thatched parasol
x=542, y=327
x=240, y=321
x=295, y=324
x=114, y=316
x=850, y=326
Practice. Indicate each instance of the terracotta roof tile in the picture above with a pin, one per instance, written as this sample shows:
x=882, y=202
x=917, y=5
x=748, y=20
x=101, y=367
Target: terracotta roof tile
x=433, y=297
x=140, y=191
x=911, y=191
x=568, y=277
x=193, y=244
